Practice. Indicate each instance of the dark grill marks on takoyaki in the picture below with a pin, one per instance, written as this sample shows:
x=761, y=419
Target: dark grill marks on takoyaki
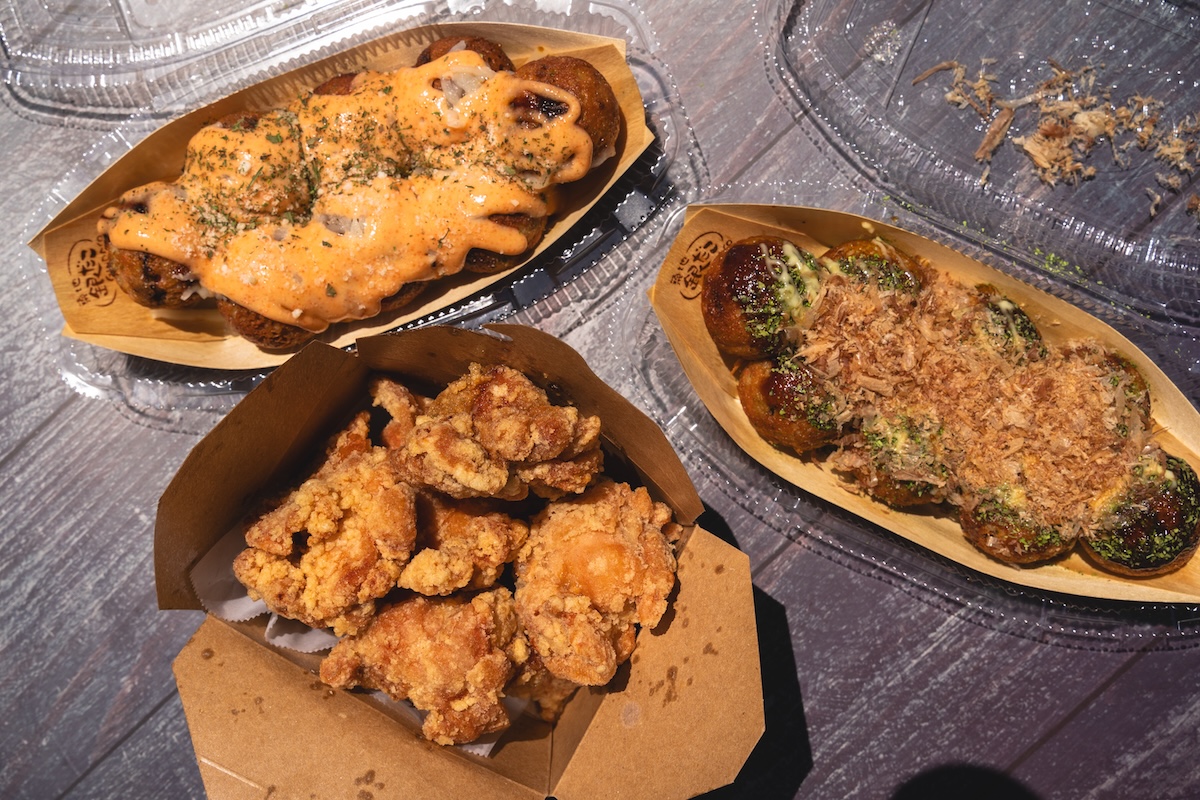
x=1150, y=528
x=599, y=111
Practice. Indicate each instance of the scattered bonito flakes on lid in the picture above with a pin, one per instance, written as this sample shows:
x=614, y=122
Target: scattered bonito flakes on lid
x=1071, y=118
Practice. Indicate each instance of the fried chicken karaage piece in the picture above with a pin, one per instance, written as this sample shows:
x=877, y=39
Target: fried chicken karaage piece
x=337, y=542
x=462, y=544
x=548, y=692
x=401, y=405
x=595, y=567
x=450, y=657
x=494, y=433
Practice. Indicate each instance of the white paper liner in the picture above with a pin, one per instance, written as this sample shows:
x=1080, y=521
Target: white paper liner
x=223, y=595
x=292, y=635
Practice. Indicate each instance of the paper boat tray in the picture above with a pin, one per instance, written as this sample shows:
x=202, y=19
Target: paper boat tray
x=98, y=312
x=675, y=298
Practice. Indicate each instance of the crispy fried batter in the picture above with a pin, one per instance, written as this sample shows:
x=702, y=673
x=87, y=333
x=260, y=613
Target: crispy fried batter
x=400, y=404
x=494, y=433
x=548, y=692
x=449, y=656
x=594, y=567
x=337, y=542
x=465, y=544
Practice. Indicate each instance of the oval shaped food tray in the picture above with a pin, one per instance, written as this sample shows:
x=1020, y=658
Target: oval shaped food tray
x=675, y=298
x=1125, y=235
x=98, y=312
x=570, y=277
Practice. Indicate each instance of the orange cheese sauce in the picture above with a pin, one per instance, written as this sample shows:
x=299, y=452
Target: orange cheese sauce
x=322, y=210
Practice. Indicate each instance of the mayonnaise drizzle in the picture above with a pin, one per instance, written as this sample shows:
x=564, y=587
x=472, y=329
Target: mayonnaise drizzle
x=337, y=201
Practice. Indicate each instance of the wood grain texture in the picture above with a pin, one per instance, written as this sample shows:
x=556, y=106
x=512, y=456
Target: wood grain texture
x=732, y=107
x=874, y=687
x=893, y=687
x=1136, y=736
x=155, y=760
x=90, y=652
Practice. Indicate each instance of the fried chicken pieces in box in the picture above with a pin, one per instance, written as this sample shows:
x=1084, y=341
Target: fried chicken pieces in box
x=465, y=544
x=401, y=541
x=494, y=433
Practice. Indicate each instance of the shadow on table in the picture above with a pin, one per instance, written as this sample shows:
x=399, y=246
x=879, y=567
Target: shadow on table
x=963, y=780
x=783, y=756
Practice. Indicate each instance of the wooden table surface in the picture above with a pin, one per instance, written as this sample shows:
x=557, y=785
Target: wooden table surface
x=878, y=685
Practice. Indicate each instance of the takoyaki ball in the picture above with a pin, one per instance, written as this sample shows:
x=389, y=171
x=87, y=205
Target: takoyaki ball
x=338, y=85
x=1005, y=328
x=1154, y=527
x=259, y=330
x=1009, y=532
x=493, y=54
x=153, y=281
x=406, y=294
x=249, y=166
x=599, y=112
x=787, y=404
x=487, y=262
x=1131, y=391
x=901, y=493
x=877, y=262
x=899, y=462
x=335, y=140
x=753, y=294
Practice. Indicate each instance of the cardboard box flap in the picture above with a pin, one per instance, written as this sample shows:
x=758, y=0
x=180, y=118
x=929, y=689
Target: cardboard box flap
x=268, y=435
x=685, y=721
x=95, y=309
x=692, y=709
x=262, y=726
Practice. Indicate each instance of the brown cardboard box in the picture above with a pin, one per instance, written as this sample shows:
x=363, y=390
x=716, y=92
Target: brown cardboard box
x=680, y=720
x=98, y=312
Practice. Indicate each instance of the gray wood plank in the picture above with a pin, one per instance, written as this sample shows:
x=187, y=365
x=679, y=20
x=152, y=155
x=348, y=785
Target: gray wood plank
x=1138, y=736
x=716, y=60
x=89, y=651
x=890, y=687
x=32, y=390
x=154, y=761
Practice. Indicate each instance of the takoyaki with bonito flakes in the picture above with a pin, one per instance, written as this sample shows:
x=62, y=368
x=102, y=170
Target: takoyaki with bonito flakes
x=920, y=390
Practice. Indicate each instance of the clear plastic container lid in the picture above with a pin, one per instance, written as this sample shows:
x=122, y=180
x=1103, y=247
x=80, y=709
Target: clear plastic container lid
x=1094, y=180
x=559, y=288
x=96, y=61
